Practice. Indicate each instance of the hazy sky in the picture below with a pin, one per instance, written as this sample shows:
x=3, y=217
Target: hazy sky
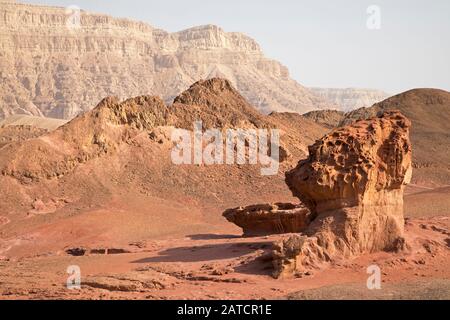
x=324, y=43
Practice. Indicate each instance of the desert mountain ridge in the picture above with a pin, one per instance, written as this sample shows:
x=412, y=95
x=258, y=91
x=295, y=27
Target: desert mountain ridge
x=54, y=70
x=121, y=150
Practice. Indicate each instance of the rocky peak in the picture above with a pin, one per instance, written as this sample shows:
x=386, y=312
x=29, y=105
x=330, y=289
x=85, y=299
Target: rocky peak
x=203, y=91
x=113, y=123
x=218, y=104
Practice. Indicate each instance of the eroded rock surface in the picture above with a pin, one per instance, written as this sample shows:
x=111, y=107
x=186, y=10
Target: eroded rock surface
x=353, y=183
x=264, y=219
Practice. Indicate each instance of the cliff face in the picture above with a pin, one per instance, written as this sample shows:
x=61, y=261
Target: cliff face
x=351, y=98
x=51, y=68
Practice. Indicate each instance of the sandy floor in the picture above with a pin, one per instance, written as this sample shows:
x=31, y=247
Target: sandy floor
x=226, y=266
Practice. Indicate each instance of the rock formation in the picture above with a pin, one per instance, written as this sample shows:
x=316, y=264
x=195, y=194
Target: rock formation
x=267, y=219
x=54, y=69
x=349, y=99
x=353, y=183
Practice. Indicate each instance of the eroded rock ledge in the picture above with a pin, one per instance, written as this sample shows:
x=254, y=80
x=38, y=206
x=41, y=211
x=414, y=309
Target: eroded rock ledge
x=264, y=219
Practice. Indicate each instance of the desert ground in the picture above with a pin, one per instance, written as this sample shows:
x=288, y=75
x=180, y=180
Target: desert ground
x=225, y=266
x=140, y=227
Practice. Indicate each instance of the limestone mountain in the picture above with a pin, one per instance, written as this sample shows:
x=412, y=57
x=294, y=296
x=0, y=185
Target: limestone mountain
x=52, y=67
x=349, y=99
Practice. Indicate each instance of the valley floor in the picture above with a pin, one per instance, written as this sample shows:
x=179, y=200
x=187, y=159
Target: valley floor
x=227, y=266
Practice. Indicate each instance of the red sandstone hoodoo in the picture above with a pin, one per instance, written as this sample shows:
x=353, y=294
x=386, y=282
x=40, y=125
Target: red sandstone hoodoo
x=352, y=183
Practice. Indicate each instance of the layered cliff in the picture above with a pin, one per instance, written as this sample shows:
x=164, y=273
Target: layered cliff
x=351, y=98
x=54, y=64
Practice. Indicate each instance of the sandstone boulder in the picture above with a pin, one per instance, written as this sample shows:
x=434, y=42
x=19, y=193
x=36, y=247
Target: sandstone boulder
x=264, y=219
x=352, y=182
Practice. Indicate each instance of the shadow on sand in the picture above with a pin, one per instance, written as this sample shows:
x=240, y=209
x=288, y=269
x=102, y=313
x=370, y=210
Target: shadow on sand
x=212, y=236
x=205, y=253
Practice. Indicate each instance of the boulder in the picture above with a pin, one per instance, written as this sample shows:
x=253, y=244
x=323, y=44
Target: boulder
x=265, y=219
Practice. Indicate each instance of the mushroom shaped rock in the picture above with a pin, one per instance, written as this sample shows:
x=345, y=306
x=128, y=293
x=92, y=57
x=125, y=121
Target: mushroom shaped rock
x=352, y=182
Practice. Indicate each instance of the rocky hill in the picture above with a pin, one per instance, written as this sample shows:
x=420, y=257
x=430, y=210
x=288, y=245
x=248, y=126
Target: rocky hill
x=117, y=157
x=349, y=99
x=54, y=69
x=327, y=118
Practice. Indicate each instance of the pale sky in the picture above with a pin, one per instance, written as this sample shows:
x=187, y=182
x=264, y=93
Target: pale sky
x=324, y=43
